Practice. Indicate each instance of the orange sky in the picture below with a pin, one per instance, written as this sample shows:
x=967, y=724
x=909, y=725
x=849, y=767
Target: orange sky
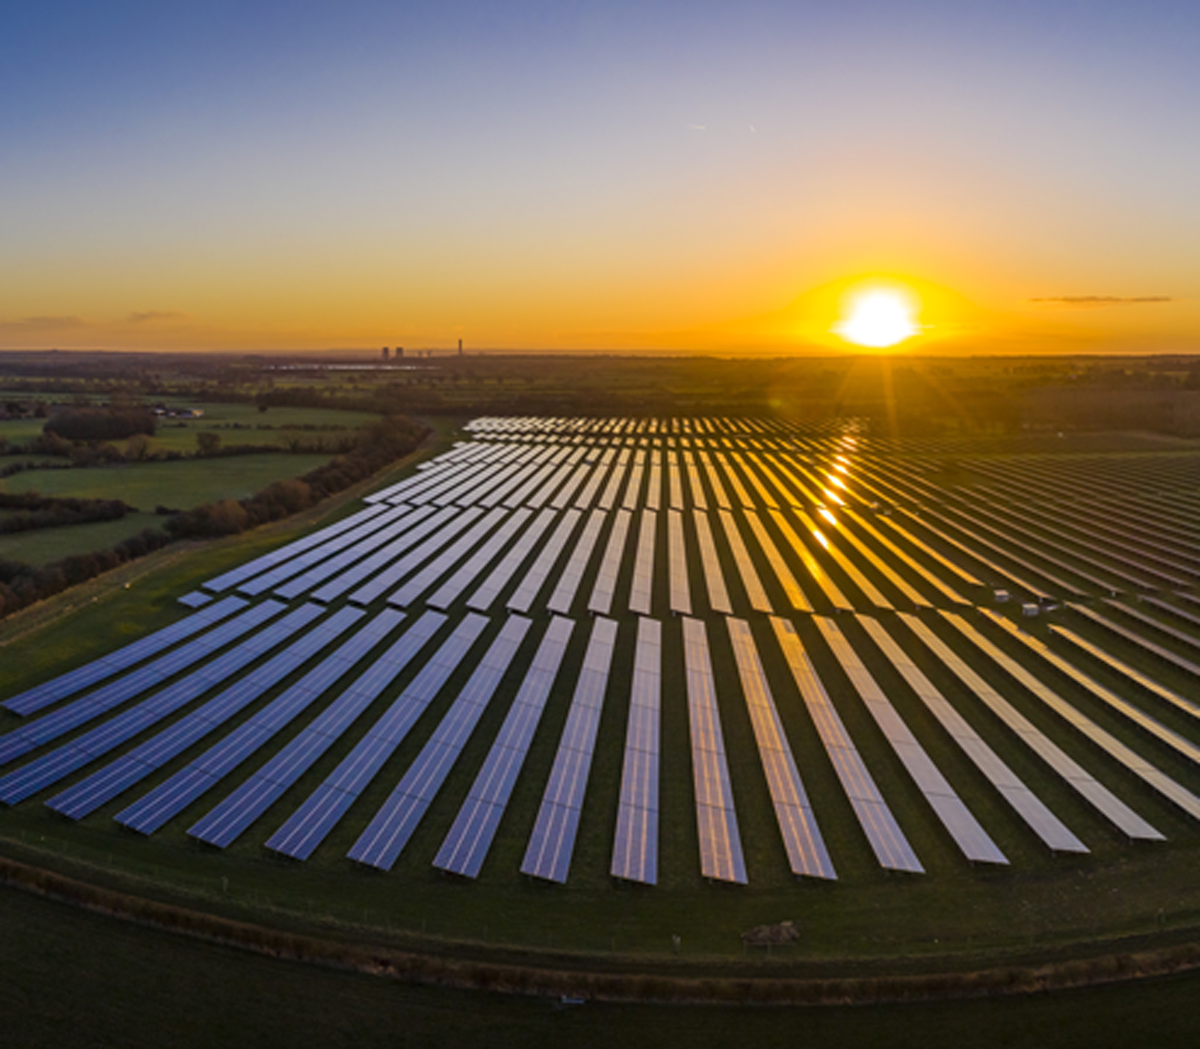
x=660, y=176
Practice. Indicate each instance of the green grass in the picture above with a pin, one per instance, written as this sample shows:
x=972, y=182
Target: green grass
x=179, y=485
x=71, y=973
x=45, y=545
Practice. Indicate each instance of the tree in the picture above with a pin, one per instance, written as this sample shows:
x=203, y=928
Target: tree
x=137, y=447
x=208, y=443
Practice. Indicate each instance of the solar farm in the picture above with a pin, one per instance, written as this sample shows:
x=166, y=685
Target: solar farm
x=646, y=654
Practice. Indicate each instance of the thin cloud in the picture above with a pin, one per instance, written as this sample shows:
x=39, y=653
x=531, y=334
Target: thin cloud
x=33, y=325
x=698, y=127
x=148, y=316
x=1102, y=300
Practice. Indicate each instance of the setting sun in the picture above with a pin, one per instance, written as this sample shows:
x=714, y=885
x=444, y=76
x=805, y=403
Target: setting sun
x=877, y=319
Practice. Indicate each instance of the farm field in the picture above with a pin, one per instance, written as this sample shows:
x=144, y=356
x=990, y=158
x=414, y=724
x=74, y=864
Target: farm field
x=179, y=485
x=44, y=546
x=409, y=722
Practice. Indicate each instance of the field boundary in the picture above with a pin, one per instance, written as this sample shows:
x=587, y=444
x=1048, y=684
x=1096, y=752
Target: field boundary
x=537, y=976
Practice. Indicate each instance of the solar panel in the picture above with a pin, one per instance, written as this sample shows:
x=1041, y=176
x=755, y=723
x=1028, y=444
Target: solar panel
x=307, y=827
x=588, y=493
x=641, y=589
x=331, y=565
x=466, y=846
x=349, y=575
x=759, y=600
x=868, y=589
x=389, y=831
x=1128, y=672
x=1152, y=726
x=233, y=816
x=106, y=783
x=883, y=833
x=1069, y=770
x=699, y=500
x=449, y=592
x=174, y=795
x=635, y=842
x=718, y=595
x=974, y=842
x=710, y=472
x=814, y=569
x=548, y=854
x=802, y=838
x=571, y=575
x=284, y=553
x=609, y=496
x=48, y=769
x=614, y=553
x=293, y=566
x=539, y=571
x=98, y=670
x=716, y=819
x=447, y=559
x=85, y=709
x=732, y=477
x=681, y=600
x=446, y=528
x=1052, y=831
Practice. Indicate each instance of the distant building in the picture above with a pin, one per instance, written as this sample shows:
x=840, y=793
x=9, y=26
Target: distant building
x=385, y=353
x=399, y=351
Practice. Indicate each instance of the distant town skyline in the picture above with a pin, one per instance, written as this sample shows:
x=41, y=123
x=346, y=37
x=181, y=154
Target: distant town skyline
x=652, y=176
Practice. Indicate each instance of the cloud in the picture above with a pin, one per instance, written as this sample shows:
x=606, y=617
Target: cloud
x=698, y=127
x=33, y=325
x=1101, y=300
x=157, y=315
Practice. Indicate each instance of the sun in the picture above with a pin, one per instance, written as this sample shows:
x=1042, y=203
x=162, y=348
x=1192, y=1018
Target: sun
x=877, y=318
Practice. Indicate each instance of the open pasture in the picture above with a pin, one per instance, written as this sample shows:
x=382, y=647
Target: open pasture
x=592, y=684
x=179, y=485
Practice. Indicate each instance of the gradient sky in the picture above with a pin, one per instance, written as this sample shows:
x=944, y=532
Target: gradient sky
x=582, y=175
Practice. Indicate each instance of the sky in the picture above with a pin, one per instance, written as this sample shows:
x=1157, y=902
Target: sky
x=598, y=176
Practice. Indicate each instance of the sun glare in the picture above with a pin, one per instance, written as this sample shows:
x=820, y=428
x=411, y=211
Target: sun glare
x=877, y=319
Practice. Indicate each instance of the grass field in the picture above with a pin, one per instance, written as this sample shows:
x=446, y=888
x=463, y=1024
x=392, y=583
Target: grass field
x=179, y=485
x=69, y=975
x=43, y=546
x=235, y=424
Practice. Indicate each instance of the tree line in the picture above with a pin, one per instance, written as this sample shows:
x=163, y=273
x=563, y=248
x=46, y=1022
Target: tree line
x=34, y=511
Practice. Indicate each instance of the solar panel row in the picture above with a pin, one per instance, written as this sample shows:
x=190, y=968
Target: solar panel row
x=308, y=826
x=284, y=553
x=118, y=776
x=802, y=838
x=883, y=833
x=635, y=843
x=376, y=526
x=974, y=842
x=234, y=815
x=552, y=842
x=1037, y=816
x=466, y=845
x=98, y=670
x=716, y=819
x=389, y=831
x=204, y=772
x=108, y=697
x=47, y=770
x=1069, y=770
